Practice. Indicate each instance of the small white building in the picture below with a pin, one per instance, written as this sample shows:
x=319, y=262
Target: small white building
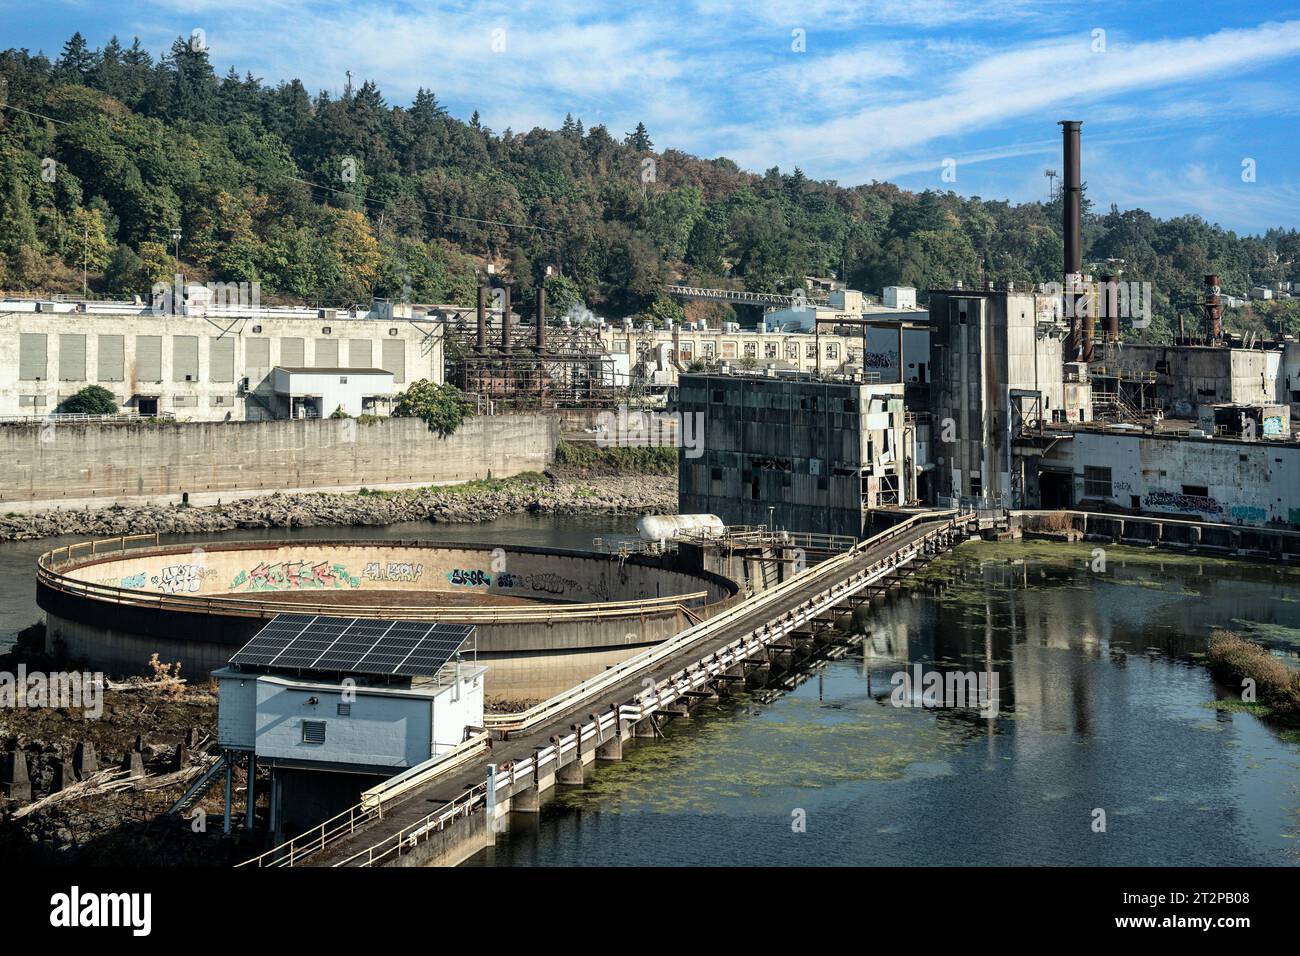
x=319, y=392
x=334, y=706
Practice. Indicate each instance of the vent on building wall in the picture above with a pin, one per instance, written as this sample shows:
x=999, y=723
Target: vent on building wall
x=313, y=731
x=344, y=710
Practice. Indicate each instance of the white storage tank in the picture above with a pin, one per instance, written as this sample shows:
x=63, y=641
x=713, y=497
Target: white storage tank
x=672, y=527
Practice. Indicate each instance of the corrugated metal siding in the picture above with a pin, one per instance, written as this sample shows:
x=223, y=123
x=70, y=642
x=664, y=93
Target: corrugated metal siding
x=394, y=356
x=31, y=356
x=148, y=358
x=185, y=358
x=112, y=358
x=257, y=353
x=72, y=357
x=221, y=359
x=292, y=354
x=327, y=353
x=361, y=353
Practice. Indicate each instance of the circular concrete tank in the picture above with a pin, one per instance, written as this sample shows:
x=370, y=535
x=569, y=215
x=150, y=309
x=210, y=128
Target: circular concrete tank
x=544, y=617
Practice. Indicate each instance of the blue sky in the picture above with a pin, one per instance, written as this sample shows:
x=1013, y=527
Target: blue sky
x=1174, y=95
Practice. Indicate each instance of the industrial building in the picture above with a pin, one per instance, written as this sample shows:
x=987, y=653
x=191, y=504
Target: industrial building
x=211, y=364
x=843, y=336
x=997, y=360
x=333, y=706
x=796, y=451
x=492, y=356
x=1201, y=477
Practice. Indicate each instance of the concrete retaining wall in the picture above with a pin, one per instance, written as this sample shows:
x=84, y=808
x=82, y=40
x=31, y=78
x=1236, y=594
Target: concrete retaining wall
x=99, y=465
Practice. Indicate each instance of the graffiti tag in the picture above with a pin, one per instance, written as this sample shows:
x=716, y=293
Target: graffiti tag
x=542, y=581
x=474, y=578
x=294, y=575
x=1169, y=501
x=394, y=571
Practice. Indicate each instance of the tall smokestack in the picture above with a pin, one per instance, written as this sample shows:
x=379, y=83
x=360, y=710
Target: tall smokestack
x=1109, y=301
x=505, y=318
x=1213, y=310
x=541, y=318
x=1072, y=230
x=481, y=344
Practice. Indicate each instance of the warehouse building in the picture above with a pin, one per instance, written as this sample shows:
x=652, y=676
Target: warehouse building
x=209, y=364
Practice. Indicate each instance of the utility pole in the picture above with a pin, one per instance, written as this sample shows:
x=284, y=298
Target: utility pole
x=85, y=254
x=1051, y=182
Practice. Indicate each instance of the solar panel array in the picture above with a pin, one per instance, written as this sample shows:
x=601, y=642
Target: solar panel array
x=354, y=645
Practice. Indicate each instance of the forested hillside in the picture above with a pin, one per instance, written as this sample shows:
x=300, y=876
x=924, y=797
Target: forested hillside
x=335, y=200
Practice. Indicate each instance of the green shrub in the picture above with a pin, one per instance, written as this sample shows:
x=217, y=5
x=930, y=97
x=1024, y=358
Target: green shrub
x=91, y=400
x=442, y=407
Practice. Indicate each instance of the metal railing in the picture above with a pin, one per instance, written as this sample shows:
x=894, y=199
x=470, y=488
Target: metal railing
x=549, y=709
x=371, y=805
x=646, y=702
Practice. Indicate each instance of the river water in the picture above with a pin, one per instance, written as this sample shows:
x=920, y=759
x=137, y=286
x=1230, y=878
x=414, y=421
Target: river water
x=1102, y=706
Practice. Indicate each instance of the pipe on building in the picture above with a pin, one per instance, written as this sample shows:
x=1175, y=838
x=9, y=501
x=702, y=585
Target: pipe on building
x=1072, y=231
x=505, y=318
x=541, y=318
x=481, y=345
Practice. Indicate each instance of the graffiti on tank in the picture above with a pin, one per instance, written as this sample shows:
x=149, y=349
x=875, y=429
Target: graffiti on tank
x=182, y=578
x=130, y=581
x=1273, y=425
x=1248, y=513
x=294, y=576
x=393, y=571
x=468, y=578
x=1169, y=501
x=543, y=581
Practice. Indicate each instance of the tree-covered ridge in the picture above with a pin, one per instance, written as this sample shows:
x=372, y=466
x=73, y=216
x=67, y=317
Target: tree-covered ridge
x=335, y=200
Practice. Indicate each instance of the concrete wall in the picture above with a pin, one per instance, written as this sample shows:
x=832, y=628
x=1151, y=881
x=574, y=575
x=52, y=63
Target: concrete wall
x=68, y=351
x=1249, y=483
x=98, y=465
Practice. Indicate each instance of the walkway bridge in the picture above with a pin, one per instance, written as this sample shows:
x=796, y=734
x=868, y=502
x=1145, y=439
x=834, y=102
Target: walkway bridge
x=444, y=811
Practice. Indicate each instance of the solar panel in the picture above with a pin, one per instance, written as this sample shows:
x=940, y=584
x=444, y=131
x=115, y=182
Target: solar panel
x=354, y=645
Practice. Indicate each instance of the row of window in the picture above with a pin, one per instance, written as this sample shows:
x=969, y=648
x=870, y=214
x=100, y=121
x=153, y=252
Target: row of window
x=112, y=359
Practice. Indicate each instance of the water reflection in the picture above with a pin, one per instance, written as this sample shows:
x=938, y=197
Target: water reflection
x=1102, y=705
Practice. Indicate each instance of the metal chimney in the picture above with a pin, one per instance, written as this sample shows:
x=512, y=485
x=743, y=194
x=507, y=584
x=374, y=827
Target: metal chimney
x=1072, y=231
x=481, y=344
x=1109, y=300
x=1213, y=310
x=505, y=318
x=541, y=318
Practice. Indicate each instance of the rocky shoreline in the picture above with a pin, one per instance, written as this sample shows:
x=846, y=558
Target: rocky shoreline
x=472, y=502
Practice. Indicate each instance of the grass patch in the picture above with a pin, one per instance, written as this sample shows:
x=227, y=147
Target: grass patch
x=1235, y=659
x=654, y=460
